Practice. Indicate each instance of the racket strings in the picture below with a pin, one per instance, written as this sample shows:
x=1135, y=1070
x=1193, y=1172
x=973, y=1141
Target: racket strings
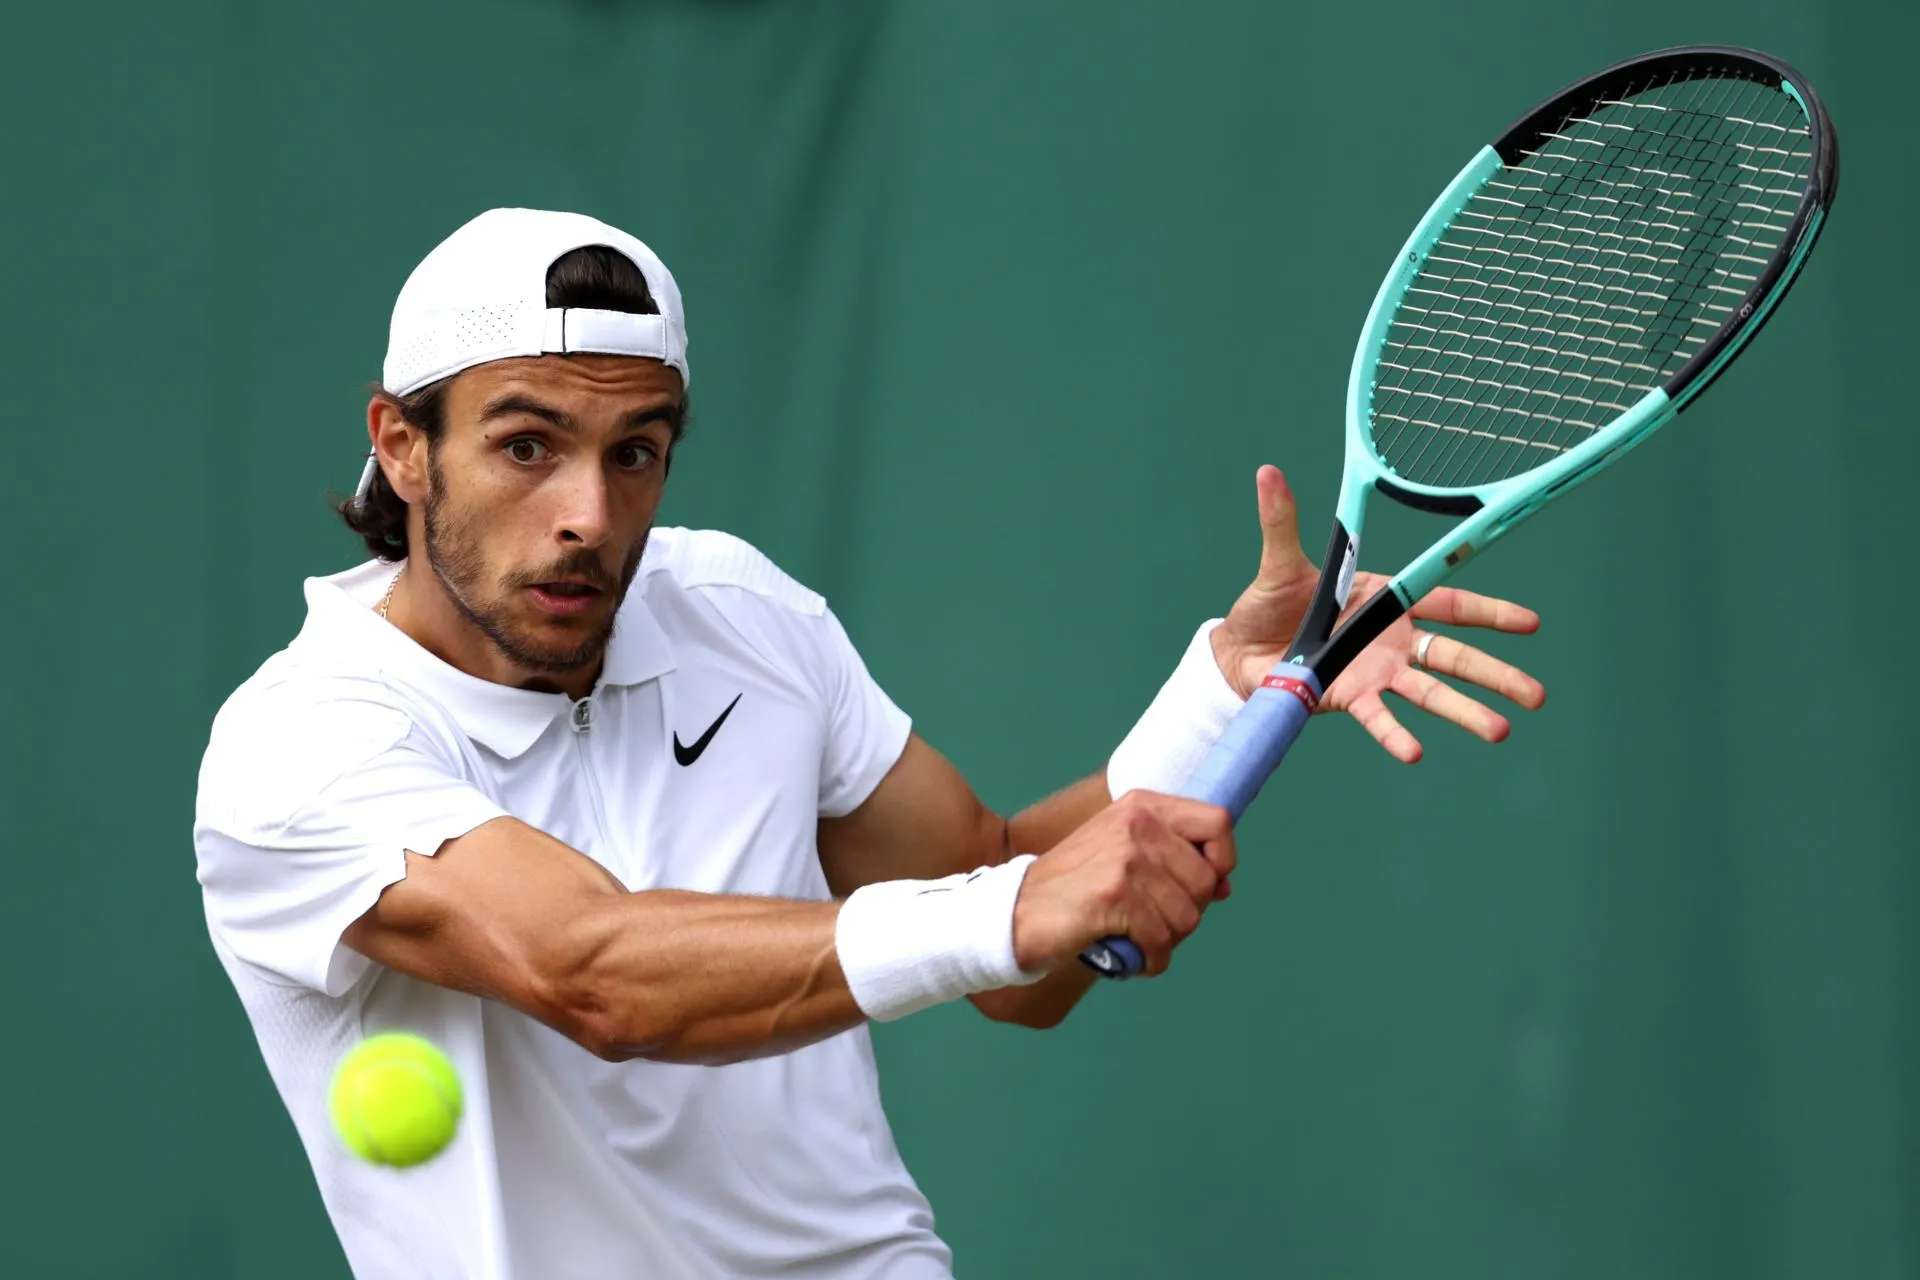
x=1596, y=213
x=1664, y=205
x=1584, y=274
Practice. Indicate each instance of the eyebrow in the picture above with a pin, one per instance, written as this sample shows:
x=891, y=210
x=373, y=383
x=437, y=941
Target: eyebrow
x=512, y=404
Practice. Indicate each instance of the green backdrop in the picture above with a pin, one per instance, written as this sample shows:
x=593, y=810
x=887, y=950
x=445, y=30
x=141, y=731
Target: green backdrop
x=996, y=307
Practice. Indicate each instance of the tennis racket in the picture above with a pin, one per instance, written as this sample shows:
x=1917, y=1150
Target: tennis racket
x=1573, y=290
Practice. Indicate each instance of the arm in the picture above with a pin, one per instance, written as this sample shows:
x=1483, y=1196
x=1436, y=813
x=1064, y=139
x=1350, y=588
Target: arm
x=924, y=821
x=510, y=914
x=333, y=832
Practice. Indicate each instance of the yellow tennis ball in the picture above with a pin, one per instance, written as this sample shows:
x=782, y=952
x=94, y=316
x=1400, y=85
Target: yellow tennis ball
x=395, y=1099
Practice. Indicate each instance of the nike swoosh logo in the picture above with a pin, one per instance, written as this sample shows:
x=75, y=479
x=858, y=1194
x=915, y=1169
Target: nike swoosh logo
x=687, y=755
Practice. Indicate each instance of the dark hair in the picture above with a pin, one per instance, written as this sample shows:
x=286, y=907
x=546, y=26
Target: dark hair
x=594, y=277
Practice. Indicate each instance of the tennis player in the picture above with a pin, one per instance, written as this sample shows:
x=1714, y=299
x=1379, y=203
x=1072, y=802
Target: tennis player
x=617, y=816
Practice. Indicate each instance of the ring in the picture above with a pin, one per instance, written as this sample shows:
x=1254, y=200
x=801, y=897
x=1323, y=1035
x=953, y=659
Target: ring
x=1420, y=649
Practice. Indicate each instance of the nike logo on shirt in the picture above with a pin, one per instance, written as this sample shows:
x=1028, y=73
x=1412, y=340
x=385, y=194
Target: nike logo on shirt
x=687, y=755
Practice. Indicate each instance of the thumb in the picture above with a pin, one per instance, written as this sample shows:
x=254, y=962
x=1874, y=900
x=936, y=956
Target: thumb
x=1281, y=557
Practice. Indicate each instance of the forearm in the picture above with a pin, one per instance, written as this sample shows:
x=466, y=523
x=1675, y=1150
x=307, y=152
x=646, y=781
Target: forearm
x=1042, y=825
x=692, y=977
x=1036, y=829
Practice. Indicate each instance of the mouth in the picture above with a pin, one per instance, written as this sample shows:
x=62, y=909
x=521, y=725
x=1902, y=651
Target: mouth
x=565, y=599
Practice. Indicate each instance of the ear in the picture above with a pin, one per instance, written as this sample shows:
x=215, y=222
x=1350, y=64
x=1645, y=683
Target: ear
x=400, y=448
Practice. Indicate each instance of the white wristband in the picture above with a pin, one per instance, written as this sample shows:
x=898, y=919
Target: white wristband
x=906, y=945
x=1179, y=727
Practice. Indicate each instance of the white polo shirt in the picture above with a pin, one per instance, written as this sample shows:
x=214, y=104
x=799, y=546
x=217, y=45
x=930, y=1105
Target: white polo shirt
x=354, y=744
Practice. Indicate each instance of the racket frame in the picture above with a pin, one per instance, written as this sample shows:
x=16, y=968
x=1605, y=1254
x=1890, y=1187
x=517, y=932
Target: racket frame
x=1494, y=509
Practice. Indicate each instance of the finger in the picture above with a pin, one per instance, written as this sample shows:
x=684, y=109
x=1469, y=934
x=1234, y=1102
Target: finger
x=1460, y=608
x=1188, y=866
x=1147, y=929
x=1157, y=848
x=1205, y=826
x=1156, y=829
x=1462, y=661
x=1374, y=717
x=1174, y=904
x=1280, y=552
x=1438, y=698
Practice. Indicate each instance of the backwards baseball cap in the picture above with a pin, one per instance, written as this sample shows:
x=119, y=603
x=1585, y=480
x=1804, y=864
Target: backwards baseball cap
x=481, y=295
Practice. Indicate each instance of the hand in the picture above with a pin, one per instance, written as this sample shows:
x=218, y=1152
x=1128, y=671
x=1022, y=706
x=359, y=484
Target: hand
x=1145, y=867
x=1262, y=623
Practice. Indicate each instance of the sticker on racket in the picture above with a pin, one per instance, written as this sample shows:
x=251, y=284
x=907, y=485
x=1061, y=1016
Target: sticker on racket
x=1572, y=291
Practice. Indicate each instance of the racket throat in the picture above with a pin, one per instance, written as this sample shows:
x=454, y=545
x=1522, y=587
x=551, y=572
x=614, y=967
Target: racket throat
x=1330, y=596
x=1316, y=646
x=1362, y=629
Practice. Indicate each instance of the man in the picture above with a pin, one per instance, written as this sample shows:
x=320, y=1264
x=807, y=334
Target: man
x=617, y=816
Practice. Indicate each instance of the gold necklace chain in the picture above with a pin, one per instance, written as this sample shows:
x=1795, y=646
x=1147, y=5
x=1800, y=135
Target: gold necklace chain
x=387, y=599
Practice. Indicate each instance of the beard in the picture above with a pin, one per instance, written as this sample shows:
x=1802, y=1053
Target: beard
x=454, y=555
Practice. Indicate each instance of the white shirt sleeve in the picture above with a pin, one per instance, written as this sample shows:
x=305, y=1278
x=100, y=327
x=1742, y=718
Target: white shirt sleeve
x=309, y=802
x=866, y=731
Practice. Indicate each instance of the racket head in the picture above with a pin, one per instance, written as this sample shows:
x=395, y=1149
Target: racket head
x=1578, y=284
x=1588, y=274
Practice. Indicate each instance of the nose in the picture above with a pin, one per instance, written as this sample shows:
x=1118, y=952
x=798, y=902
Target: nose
x=583, y=519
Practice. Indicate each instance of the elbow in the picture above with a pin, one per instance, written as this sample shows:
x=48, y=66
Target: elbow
x=610, y=1042
x=617, y=1027
x=572, y=1007
x=575, y=997
x=609, y=1033
x=628, y=1037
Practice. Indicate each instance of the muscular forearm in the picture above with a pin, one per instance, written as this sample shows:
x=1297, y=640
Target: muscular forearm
x=509, y=913
x=708, y=978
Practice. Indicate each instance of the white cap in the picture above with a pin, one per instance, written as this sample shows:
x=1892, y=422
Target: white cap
x=481, y=295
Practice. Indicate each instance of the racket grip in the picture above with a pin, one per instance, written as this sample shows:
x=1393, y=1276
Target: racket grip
x=1231, y=775
x=1256, y=740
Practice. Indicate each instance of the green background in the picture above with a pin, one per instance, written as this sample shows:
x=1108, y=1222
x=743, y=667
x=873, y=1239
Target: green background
x=995, y=309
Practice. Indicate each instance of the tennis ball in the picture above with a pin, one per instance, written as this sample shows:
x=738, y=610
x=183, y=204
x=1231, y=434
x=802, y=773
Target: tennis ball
x=395, y=1099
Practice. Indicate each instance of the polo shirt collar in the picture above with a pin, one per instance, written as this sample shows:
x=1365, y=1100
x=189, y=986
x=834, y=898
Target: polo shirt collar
x=505, y=720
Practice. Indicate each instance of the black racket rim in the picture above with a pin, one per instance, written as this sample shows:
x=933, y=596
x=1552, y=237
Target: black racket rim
x=1696, y=62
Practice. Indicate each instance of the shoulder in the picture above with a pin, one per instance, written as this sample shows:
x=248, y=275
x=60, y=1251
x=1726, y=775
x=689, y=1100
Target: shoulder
x=716, y=589
x=292, y=699
x=712, y=563
x=291, y=731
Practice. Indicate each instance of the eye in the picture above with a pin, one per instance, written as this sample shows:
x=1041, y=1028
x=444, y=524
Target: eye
x=526, y=449
x=634, y=455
